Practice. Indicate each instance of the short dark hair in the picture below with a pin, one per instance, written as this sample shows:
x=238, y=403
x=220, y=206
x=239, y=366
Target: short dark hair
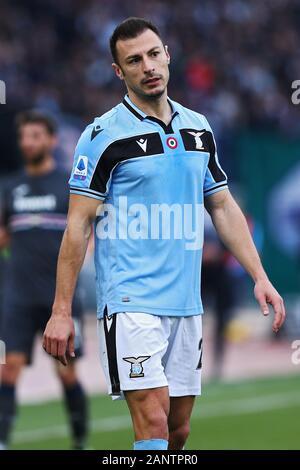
x=129, y=29
x=36, y=117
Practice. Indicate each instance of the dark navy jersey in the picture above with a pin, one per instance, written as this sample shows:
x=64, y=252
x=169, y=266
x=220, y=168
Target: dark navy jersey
x=34, y=210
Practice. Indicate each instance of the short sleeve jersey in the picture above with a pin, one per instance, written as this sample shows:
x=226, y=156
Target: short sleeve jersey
x=152, y=179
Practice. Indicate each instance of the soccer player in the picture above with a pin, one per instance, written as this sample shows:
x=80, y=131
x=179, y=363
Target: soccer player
x=34, y=210
x=142, y=174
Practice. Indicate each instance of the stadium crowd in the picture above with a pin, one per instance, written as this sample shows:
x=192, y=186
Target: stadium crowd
x=234, y=60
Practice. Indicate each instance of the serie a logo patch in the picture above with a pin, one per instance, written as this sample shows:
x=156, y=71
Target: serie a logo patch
x=81, y=169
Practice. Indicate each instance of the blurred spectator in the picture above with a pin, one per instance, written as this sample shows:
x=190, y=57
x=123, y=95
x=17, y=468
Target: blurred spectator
x=234, y=60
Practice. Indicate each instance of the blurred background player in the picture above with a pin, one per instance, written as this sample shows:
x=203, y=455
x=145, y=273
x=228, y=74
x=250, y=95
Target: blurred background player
x=218, y=288
x=34, y=208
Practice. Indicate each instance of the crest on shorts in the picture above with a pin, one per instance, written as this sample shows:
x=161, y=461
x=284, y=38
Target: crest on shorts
x=136, y=369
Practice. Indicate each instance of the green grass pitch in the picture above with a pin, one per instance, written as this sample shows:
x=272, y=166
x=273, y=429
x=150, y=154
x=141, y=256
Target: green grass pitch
x=256, y=414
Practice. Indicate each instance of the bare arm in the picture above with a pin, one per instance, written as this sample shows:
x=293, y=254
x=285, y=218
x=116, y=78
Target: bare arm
x=59, y=332
x=232, y=229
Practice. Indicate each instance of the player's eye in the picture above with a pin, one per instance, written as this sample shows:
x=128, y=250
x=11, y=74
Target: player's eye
x=135, y=60
x=154, y=53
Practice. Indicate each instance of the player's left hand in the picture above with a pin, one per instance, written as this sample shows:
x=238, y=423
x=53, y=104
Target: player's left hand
x=265, y=294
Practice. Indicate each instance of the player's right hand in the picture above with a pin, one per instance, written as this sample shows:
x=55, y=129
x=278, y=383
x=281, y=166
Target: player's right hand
x=58, y=339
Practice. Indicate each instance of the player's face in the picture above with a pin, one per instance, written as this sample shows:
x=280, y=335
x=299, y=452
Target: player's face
x=143, y=64
x=35, y=142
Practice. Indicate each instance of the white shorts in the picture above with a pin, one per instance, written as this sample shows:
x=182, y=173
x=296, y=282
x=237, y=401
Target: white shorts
x=140, y=351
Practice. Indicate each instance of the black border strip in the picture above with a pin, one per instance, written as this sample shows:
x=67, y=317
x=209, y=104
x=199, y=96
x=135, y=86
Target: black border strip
x=111, y=346
x=132, y=110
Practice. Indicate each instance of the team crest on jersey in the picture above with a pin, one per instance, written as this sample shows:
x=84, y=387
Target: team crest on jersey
x=136, y=369
x=197, y=137
x=80, y=172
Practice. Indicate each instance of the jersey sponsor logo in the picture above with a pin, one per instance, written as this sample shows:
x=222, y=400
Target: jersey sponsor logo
x=35, y=203
x=136, y=369
x=80, y=172
x=96, y=130
x=172, y=143
x=198, y=141
x=143, y=144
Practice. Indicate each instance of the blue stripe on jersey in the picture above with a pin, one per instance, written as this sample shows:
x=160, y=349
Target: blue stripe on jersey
x=152, y=179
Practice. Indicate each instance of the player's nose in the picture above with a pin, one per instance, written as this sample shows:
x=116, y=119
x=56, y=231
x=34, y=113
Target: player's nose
x=148, y=66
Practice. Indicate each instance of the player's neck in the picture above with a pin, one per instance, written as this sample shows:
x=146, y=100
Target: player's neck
x=44, y=167
x=158, y=108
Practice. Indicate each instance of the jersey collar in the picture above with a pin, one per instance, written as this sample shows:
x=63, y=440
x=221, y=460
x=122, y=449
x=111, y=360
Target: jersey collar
x=138, y=113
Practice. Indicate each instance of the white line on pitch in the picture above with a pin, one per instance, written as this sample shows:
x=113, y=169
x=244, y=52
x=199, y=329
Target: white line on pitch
x=224, y=408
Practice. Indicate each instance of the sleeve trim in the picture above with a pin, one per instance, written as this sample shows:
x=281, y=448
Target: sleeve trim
x=86, y=192
x=215, y=189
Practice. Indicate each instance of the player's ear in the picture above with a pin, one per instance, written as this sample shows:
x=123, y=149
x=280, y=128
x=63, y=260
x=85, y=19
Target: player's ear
x=118, y=71
x=167, y=53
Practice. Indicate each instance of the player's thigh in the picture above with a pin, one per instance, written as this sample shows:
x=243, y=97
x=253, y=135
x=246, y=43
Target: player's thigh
x=180, y=412
x=67, y=374
x=149, y=411
x=14, y=363
x=145, y=402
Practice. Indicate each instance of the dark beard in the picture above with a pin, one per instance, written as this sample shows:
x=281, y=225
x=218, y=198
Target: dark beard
x=147, y=97
x=154, y=97
x=36, y=160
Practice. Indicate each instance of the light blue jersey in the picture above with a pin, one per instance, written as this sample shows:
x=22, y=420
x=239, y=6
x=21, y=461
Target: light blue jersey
x=152, y=179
